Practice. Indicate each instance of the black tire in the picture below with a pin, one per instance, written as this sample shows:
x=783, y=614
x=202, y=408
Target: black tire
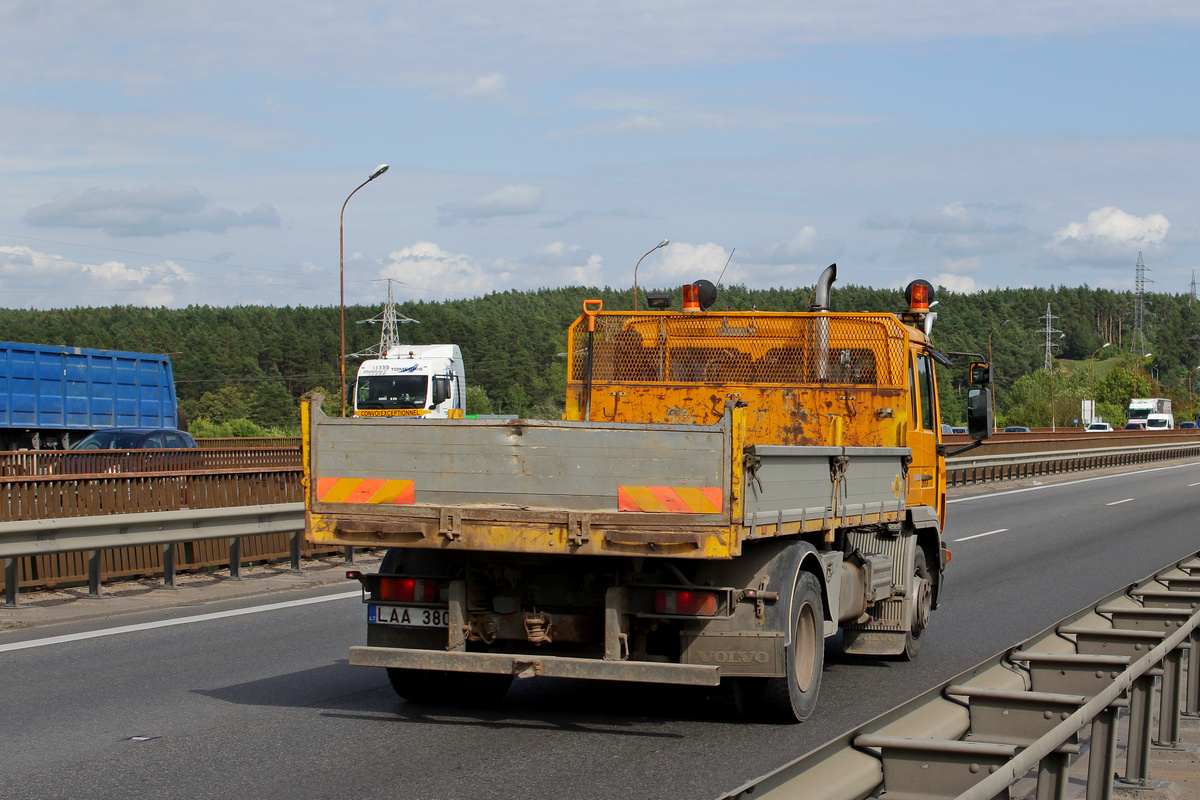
x=393, y=561
x=436, y=688
x=793, y=697
x=914, y=639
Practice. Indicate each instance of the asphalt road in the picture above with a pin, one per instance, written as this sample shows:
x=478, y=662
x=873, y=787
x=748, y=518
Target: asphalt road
x=264, y=705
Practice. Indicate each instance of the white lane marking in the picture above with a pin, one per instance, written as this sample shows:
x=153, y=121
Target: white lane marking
x=981, y=535
x=1126, y=500
x=1190, y=485
x=1065, y=483
x=166, y=623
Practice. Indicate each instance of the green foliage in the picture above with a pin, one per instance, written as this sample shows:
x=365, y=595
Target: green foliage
x=477, y=401
x=1120, y=385
x=207, y=429
x=272, y=406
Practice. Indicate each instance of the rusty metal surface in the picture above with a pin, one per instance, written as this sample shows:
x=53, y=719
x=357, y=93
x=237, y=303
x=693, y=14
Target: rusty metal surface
x=742, y=348
x=83, y=496
x=30, y=463
x=805, y=379
x=528, y=666
x=245, y=442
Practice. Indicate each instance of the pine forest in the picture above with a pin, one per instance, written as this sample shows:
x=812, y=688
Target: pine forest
x=242, y=370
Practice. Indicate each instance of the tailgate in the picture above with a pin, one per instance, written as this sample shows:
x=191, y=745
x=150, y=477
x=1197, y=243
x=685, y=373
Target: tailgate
x=519, y=485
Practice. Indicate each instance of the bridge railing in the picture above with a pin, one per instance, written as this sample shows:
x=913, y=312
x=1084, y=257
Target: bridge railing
x=27, y=502
x=1017, y=716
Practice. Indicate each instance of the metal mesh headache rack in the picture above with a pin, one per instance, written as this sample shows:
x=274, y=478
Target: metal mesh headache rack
x=741, y=348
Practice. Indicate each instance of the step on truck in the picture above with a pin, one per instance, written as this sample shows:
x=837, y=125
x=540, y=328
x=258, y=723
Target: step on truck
x=724, y=491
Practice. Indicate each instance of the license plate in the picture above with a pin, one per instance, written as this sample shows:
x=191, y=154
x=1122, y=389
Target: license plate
x=409, y=616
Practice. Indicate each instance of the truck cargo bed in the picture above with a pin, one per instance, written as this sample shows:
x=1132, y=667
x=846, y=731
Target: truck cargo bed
x=538, y=486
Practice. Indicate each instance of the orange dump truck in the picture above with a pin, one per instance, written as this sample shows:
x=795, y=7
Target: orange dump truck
x=724, y=491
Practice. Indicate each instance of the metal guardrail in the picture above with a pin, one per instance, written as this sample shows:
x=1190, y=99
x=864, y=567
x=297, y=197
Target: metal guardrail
x=988, y=728
x=967, y=470
x=167, y=529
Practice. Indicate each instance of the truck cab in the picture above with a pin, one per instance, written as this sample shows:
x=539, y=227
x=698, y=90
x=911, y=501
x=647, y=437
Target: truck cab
x=412, y=381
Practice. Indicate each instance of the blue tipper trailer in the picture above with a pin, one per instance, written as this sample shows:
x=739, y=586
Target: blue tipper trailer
x=51, y=396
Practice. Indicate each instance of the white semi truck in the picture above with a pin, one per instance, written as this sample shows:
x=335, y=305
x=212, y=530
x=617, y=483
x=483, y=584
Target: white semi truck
x=1154, y=411
x=412, y=380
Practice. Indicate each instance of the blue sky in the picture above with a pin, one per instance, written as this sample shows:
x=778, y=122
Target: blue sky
x=169, y=154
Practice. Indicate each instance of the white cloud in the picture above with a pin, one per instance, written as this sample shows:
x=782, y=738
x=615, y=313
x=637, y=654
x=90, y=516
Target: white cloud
x=570, y=263
x=963, y=284
x=486, y=87
x=1109, y=234
x=46, y=280
x=424, y=265
x=795, y=249
x=156, y=210
x=688, y=262
x=1113, y=224
x=514, y=200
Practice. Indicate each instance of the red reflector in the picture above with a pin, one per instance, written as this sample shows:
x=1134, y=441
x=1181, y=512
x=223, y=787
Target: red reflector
x=407, y=589
x=694, y=604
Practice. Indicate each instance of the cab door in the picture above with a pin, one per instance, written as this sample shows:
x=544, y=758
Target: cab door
x=924, y=473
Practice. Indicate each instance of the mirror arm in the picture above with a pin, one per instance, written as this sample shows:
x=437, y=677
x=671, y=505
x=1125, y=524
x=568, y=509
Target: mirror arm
x=942, y=451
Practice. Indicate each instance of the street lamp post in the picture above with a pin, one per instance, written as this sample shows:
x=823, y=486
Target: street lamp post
x=993, y=363
x=1098, y=349
x=663, y=243
x=382, y=168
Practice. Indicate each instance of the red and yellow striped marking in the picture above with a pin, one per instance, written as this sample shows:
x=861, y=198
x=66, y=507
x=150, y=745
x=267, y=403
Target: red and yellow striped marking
x=365, y=490
x=671, y=499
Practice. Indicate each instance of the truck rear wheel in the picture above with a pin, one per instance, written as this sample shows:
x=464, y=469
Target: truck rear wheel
x=434, y=687
x=793, y=697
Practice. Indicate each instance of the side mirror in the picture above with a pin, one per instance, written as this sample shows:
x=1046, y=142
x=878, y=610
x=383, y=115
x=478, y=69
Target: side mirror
x=981, y=374
x=441, y=390
x=979, y=411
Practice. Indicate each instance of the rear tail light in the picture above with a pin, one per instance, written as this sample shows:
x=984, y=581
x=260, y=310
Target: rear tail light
x=692, y=604
x=413, y=590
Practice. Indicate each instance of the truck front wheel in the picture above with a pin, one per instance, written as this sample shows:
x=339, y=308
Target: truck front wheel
x=793, y=697
x=915, y=638
x=434, y=687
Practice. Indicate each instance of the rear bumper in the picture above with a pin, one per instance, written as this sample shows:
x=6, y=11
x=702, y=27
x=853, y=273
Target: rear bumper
x=528, y=666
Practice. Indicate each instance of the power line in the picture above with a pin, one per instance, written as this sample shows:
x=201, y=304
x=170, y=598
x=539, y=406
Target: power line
x=1048, y=330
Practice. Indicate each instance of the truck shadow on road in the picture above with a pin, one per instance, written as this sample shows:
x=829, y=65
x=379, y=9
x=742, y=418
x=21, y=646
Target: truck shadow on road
x=338, y=690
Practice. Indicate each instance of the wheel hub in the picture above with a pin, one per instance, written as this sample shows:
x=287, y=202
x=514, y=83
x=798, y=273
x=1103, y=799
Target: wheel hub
x=923, y=606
